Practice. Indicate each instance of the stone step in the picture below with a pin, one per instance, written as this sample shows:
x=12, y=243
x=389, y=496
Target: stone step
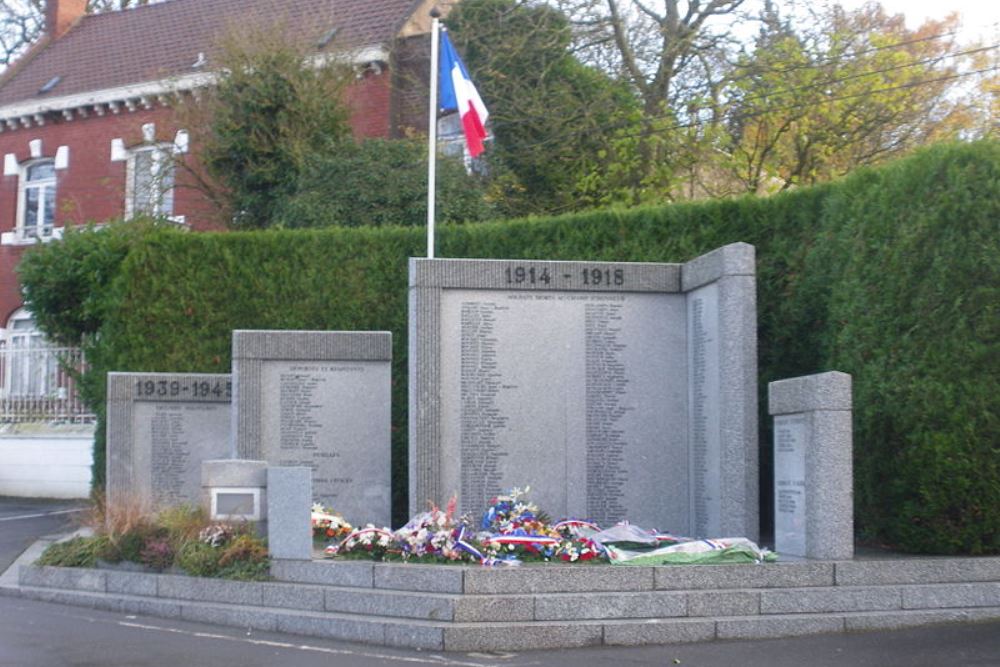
x=527, y=606
x=498, y=635
x=556, y=578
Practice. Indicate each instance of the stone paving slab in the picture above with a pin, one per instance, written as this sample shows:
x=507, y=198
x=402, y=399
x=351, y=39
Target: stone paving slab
x=609, y=605
x=419, y=578
x=518, y=636
x=764, y=627
x=355, y=573
x=392, y=604
x=769, y=575
x=917, y=571
x=986, y=594
x=294, y=596
x=909, y=619
x=816, y=601
x=557, y=579
x=654, y=631
x=723, y=603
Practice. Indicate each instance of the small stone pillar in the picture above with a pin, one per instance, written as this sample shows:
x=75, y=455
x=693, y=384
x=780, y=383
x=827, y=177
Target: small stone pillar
x=813, y=466
x=289, y=508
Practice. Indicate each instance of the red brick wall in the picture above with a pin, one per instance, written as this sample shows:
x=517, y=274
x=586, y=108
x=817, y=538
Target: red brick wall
x=369, y=98
x=92, y=188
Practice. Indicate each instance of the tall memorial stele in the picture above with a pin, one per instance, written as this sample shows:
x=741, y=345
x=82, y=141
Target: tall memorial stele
x=319, y=400
x=613, y=390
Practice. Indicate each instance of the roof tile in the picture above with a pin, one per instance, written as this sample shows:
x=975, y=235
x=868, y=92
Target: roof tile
x=161, y=40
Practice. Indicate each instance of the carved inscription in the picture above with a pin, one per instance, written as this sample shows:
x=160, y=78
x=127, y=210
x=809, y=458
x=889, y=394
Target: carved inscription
x=172, y=439
x=570, y=393
x=329, y=416
x=481, y=418
x=606, y=385
x=703, y=406
x=790, y=443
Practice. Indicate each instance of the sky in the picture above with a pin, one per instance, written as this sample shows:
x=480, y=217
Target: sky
x=979, y=18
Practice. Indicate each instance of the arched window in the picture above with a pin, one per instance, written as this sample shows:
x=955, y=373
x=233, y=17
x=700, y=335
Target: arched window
x=28, y=366
x=37, y=200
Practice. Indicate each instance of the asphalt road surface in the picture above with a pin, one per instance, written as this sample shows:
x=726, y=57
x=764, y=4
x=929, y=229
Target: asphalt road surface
x=39, y=634
x=22, y=521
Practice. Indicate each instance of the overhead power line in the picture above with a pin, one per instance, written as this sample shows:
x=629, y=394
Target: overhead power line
x=791, y=107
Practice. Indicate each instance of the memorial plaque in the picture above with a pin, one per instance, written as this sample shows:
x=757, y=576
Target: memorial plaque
x=791, y=440
x=319, y=400
x=599, y=385
x=703, y=410
x=581, y=387
x=161, y=426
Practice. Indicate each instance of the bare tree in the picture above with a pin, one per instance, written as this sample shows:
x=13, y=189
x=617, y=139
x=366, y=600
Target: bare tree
x=664, y=48
x=22, y=22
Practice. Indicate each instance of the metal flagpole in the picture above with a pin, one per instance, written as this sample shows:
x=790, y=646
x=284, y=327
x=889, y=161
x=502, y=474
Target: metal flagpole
x=432, y=130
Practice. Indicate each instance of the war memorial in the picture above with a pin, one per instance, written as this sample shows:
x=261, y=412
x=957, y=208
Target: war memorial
x=617, y=392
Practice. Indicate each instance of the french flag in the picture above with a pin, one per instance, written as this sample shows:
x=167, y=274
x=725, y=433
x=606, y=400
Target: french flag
x=459, y=94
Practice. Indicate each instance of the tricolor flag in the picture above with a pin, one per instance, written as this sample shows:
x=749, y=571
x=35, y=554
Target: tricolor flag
x=459, y=94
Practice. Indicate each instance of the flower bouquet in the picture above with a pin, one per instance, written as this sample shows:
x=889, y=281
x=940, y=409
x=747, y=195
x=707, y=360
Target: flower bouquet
x=327, y=524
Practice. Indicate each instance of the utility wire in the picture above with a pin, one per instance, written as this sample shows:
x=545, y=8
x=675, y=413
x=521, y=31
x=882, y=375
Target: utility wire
x=861, y=75
x=819, y=84
x=791, y=107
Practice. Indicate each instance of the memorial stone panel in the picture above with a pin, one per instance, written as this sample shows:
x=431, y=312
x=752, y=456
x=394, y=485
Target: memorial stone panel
x=596, y=384
x=541, y=386
x=791, y=440
x=319, y=400
x=161, y=426
x=813, y=466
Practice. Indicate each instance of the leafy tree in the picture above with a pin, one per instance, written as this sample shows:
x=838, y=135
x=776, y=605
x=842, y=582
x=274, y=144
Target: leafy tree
x=273, y=107
x=551, y=114
x=675, y=57
x=380, y=182
x=853, y=88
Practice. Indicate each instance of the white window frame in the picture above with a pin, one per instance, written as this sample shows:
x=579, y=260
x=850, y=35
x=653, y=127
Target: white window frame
x=162, y=153
x=43, y=230
x=28, y=368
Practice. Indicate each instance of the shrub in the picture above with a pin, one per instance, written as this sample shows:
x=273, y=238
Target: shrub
x=157, y=553
x=199, y=559
x=77, y=552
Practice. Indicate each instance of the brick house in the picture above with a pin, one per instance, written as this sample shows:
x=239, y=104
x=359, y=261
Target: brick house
x=86, y=118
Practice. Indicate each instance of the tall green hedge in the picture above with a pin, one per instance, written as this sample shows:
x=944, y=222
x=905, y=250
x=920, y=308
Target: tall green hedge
x=891, y=275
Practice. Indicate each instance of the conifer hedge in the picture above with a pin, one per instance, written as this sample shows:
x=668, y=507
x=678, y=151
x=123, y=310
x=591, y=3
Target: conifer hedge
x=891, y=275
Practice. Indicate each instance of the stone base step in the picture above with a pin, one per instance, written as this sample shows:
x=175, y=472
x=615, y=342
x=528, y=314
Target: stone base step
x=505, y=636
x=472, y=608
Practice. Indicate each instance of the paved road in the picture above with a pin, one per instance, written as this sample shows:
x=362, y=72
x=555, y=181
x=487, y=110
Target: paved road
x=39, y=634
x=22, y=521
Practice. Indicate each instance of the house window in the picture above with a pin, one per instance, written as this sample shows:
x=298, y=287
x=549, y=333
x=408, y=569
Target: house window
x=150, y=188
x=37, y=200
x=29, y=367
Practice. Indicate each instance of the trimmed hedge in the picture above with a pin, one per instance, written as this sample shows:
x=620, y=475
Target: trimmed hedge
x=891, y=275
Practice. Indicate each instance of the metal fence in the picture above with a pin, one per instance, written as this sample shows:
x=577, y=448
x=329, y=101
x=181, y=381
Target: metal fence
x=38, y=384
